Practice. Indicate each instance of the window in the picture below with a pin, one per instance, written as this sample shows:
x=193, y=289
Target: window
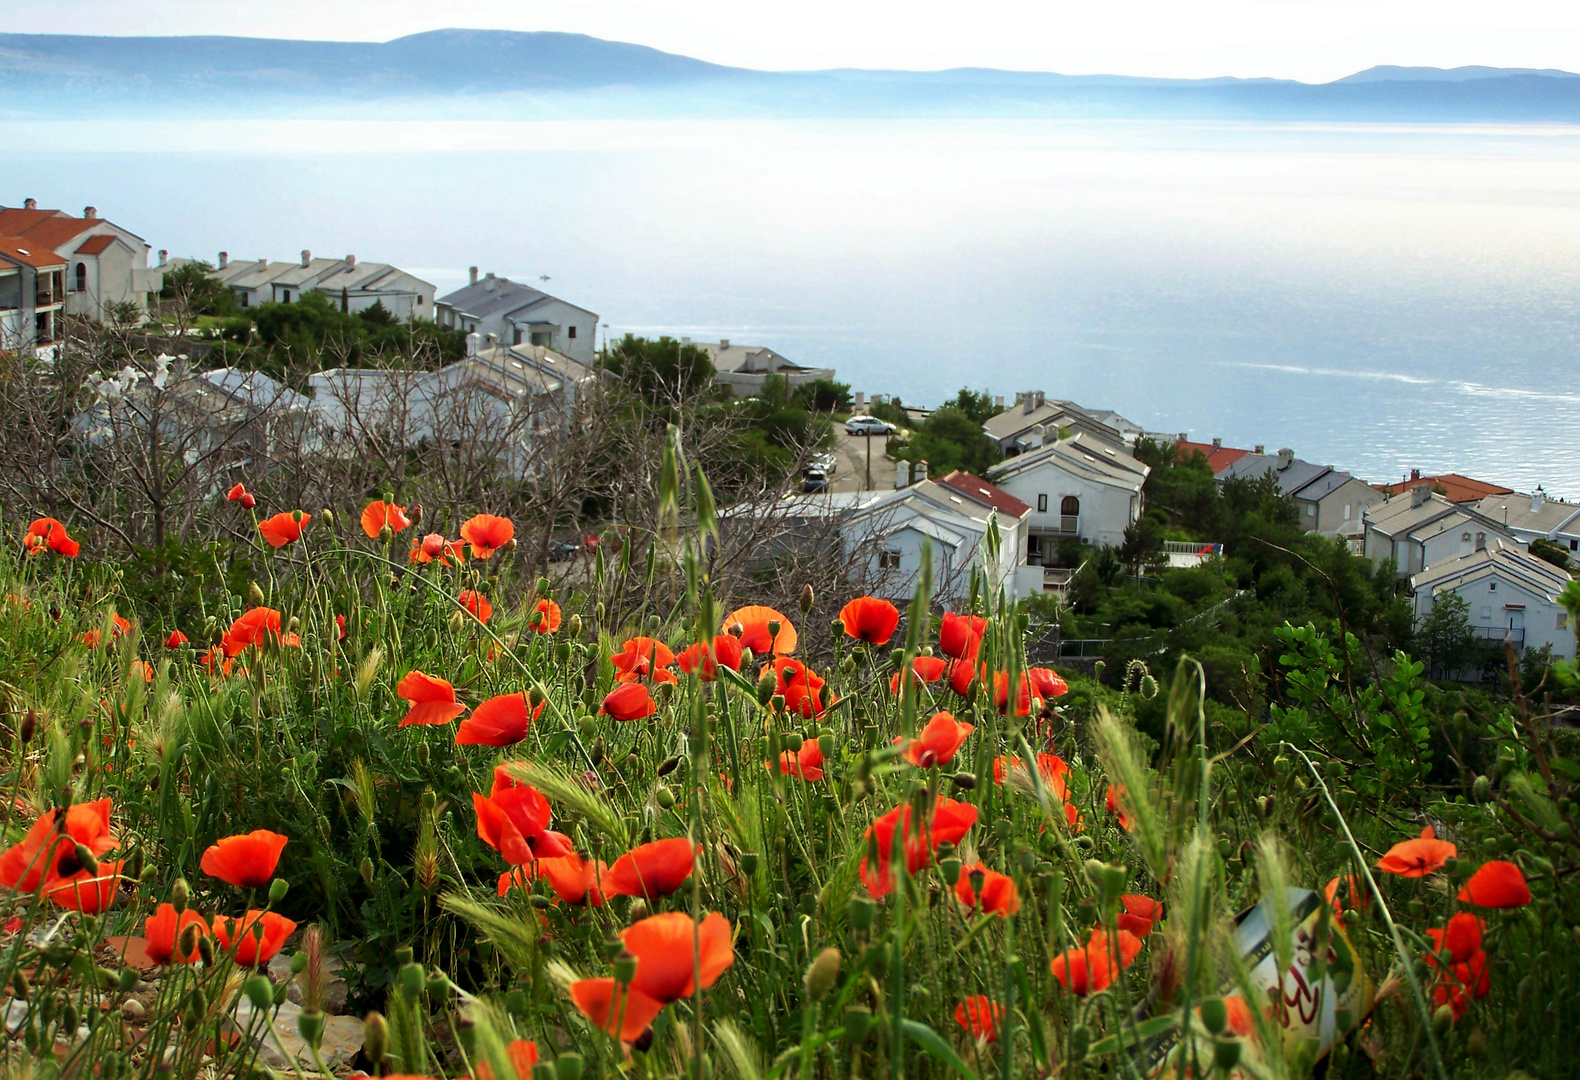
x=1311, y=510
x=1042, y=504
x=419, y=300
x=889, y=559
x=1346, y=511
x=515, y=336
x=1486, y=611
x=573, y=333
x=82, y=277
x=243, y=298
x=1069, y=506
x=1492, y=586
x=286, y=295
x=1563, y=620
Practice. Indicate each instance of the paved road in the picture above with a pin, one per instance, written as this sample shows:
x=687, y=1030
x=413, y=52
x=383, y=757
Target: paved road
x=851, y=472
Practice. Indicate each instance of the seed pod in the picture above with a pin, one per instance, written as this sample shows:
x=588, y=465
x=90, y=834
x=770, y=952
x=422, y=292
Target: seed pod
x=822, y=973
x=807, y=599
x=664, y=797
x=180, y=895
x=310, y=1025
x=861, y=910
x=375, y=1038
x=964, y=780
x=748, y=865
x=858, y=1022
x=568, y=1067
x=1226, y=1053
x=950, y=868
x=624, y=968
x=1080, y=1042
x=1214, y=1014
x=259, y=991
x=366, y=870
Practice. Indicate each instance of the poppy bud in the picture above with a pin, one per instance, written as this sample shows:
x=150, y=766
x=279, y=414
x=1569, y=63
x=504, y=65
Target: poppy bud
x=1214, y=1014
x=413, y=515
x=277, y=890
x=205, y=948
x=422, y=754
x=668, y=765
x=86, y=858
x=29, y=726
x=858, y=1022
x=375, y=1038
x=310, y=1025
x=248, y=500
x=327, y=516
x=1443, y=1019
x=411, y=981
x=386, y=535
x=654, y=622
x=537, y=695
x=20, y=986
x=255, y=594
x=575, y=625
x=624, y=968
x=259, y=991
x=765, y=688
x=1226, y=1054
x=545, y=588
x=1481, y=789
x=807, y=598
x=964, y=780
x=366, y=870
x=822, y=973
x=180, y=894
x=748, y=863
x=838, y=626
x=509, y=546
x=951, y=871
x=861, y=909
x=665, y=797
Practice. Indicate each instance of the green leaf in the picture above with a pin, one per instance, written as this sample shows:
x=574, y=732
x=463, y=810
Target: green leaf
x=1147, y=1029
x=929, y=1040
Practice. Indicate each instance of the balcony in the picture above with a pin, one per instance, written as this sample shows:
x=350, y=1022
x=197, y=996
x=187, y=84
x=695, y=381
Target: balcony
x=1069, y=525
x=1515, y=636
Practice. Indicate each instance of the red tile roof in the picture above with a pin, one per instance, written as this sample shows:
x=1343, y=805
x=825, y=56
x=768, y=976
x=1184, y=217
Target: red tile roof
x=1452, y=486
x=30, y=254
x=1218, y=458
x=46, y=228
x=95, y=245
x=980, y=491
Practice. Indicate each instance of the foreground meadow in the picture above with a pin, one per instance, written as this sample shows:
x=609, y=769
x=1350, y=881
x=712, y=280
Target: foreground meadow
x=392, y=784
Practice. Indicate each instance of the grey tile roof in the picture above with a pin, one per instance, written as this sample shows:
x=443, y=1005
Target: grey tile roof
x=1081, y=455
x=1536, y=574
x=498, y=295
x=1552, y=516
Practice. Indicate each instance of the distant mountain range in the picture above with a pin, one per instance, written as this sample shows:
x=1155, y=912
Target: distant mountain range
x=496, y=74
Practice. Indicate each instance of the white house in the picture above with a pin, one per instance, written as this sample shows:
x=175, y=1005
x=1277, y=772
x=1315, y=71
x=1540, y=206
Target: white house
x=105, y=264
x=1535, y=517
x=882, y=534
x=32, y=295
x=1036, y=420
x=348, y=284
x=746, y=368
x=1079, y=488
x=1424, y=529
x=1512, y=595
x=517, y=314
x=1330, y=501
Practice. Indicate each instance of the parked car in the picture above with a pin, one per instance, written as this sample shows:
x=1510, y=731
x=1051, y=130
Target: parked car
x=813, y=481
x=560, y=551
x=823, y=463
x=867, y=425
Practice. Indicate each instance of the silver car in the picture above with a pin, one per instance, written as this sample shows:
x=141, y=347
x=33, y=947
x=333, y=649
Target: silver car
x=867, y=425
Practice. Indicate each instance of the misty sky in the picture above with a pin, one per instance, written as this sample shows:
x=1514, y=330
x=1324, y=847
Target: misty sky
x=1313, y=40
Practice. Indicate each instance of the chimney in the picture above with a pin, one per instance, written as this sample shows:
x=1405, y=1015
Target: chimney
x=30, y=204
x=1415, y=474
x=1217, y=444
x=724, y=343
x=998, y=402
x=472, y=342
x=351, y=260
x=1184, y=436
x=493, y=340
x=224, y=259
x=1420, y=495
x=1286, y=458
x=902, y=474
x=1538, y=497
x=91, y=213
x=164, y=256
x=1260, y=449
x=307, y=257
x=859, y=402
x=1028, y=404
x=471, y=275
x=919, y=471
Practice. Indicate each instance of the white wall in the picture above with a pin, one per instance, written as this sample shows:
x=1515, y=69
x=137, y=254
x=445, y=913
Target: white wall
x=1488, y=598
x=1105, y=510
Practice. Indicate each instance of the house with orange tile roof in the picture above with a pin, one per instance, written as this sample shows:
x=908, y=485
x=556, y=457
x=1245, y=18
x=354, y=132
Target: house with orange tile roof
x=106, y=264
x=1219, y=457
x=1452, y=486
x=32, y=296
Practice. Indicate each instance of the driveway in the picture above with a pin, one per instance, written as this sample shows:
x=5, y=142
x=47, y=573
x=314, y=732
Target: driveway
x=851, y=472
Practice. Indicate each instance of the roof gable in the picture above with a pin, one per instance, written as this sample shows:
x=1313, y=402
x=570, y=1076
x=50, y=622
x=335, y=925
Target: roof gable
x=980, y=491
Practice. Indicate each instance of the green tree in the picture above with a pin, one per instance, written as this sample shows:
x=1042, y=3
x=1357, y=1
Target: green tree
x=824, y=396
x=1552, y=551
x=660, y=370
x=1446, y=636
x=194, y=284
x=977, y=404
x=948, y=440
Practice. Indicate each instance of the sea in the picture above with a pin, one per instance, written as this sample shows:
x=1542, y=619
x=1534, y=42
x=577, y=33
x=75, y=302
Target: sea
x=1378, y=297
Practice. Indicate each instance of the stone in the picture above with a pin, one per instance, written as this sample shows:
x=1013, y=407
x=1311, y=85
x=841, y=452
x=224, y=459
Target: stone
x=342, y=1038
x=132, y=1010
x=335, y=989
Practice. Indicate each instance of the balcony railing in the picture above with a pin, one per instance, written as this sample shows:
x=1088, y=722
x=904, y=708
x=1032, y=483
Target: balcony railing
x=1513, y=635
x=1069, y=524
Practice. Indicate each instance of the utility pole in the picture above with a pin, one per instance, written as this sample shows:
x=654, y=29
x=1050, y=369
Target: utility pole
x=869, y=460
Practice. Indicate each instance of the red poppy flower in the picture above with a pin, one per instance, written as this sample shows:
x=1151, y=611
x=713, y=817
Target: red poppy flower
x=251, y=950
x=215, y=662
x=44, y=853
x=937, y=743
x=704, y=660
x=1055, y=774
x=927, y=669
x=499, y=721
x=523, y=1054
x=1092, y=968
x=993, y=892
x=1138, y=913
x=514, y=820
x=800, y=686
x=666, y=948
x=340, y=628
x=50, y=534
x=574, y=879
x=962, y=675
x=87, y=891
x=283, y=528
x=662, y=675
x=162, y=934
x=545, y=616
x=1417, y=858
x=175, y=640
x=1462, y=981
x=1114, y=801
x=1462, y=938
x=240, y=494
x=652, y=870
x=629, y=701
x=377, y=514
x=1355, y=891
x=487, y=534
x=432, y=699
x=246, y=861
x=1498, y=884
x=476, y=603
x=433, y=546
x=253, y=627
x=807, y=762
x=869, y=619
x=118, y=626
x=641, y=656
x=980, y=1016
x=950, y=821
x=749, y=625
x=960, y=636
x=620, y=1011
x=1001, y=693
x=1046, y=683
